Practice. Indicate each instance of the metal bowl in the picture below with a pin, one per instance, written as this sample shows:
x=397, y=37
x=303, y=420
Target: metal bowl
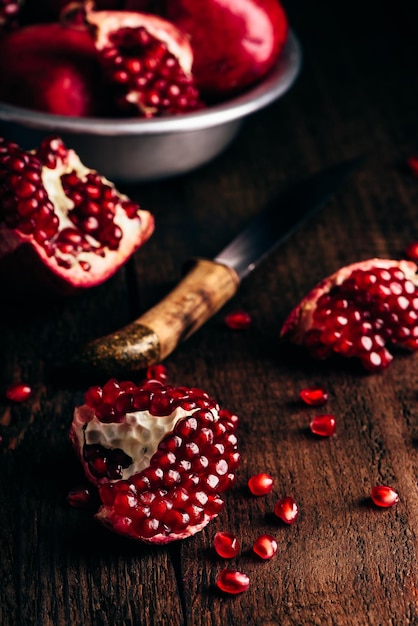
x=135, y=150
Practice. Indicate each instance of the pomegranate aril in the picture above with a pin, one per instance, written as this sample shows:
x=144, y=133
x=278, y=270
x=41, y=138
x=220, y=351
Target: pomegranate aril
x=287, y=510
x=313, y=396
x=232, y=581
x=157, y=372
x=265, y=546
x=226, y=545
x=323, y=425
x=412, y=164
x=384, y=496
x=260, y=484
x=411, y=251
x=18, y=392
x=80, y=498
x=238, y=320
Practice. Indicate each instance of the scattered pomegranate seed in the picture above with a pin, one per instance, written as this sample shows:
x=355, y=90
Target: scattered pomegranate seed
x=265, y=546
x=411, y=251
x=314, y=396
x=412, y=164
x=238, y=320
x=226, y=545
x=231, y=581
x=157, y=372
x=384, y=496
x=18, y=392
x=323, y=425
x=80, y=497
x=287, y=510
x=260, y=484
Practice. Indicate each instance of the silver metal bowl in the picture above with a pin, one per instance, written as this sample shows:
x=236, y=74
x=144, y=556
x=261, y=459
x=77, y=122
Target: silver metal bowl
x=135, y=150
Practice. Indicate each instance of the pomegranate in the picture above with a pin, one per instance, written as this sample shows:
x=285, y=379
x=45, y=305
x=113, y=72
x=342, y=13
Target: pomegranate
x=147, y=60
x=235, y=42
x=358, y=312
x=18, y=392
x=265, y=546
x=238, y=320
x=313, y=396
x=54, y=69
x=161, y=455
x=260, y=484
x=287, y=510
x=323, y=425
x=62, y=222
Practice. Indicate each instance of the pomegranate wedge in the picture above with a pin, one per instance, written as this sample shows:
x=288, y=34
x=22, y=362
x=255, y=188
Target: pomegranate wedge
x=358, y=312
x=60, y=222
x=161, y=456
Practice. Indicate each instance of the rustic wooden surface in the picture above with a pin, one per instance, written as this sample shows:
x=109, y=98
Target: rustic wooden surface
x=344, y=561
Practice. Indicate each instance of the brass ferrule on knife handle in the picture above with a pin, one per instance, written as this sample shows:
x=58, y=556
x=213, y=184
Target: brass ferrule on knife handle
x=205, y=288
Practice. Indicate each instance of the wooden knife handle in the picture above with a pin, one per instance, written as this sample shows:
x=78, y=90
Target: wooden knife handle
x=201, y=293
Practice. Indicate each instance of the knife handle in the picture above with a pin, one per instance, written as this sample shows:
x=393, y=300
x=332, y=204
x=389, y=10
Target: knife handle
x=205, y=288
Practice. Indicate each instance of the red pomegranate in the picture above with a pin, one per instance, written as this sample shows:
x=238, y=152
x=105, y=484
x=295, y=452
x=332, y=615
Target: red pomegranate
x=52, y=68
x=161, y=455
x=235, y=42
x=360, y=311
x=147, y=61
x=62, y=222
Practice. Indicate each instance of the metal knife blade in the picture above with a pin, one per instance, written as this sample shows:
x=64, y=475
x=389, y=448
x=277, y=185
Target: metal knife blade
x=282, y=216
x=209, y=284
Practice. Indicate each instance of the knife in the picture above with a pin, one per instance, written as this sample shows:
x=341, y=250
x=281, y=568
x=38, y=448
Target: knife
x=209, y=284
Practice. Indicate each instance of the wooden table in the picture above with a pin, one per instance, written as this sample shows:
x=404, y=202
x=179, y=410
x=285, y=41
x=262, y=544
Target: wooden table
x=344, y=561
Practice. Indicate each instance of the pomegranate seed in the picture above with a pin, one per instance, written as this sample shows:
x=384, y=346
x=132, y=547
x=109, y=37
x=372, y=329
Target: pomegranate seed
x=323, y=425
x=157, y=372
x=226, y=545
x=18, y=392
x=238, y=320
x=384, y=496
x=412, y=164
x=265, y=546
x=231, y=581
x=80, y=497
x=287, y=510
x=260, y=484
x=314, y=396
x=411, y=251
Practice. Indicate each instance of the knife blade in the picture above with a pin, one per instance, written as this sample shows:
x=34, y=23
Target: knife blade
x=209, y=284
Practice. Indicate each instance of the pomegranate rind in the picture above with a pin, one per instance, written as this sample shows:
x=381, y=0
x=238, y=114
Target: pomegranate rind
x=301, y=318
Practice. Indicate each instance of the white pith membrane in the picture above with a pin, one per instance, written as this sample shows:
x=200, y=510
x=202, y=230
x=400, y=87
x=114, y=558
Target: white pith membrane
x=138, y=435
x=101, y=262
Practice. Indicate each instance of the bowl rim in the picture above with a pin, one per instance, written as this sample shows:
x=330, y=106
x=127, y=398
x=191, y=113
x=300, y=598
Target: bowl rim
x=275, y=84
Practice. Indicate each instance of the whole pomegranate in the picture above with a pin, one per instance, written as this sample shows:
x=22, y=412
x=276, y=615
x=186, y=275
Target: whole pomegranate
x=161, y=455
x=359, y=311
x=147, y=61
x=52, y=68
x=235, y=42
x=62, y=222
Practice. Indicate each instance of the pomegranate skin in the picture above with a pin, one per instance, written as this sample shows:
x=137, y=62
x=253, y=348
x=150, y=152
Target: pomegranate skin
x=235, y=42
x=359, y=312
x=52, y=68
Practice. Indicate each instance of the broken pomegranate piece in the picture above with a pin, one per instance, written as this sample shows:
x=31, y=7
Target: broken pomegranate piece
x=64, y=223
x=359, y=311
x=147, y=61
x=161, y=455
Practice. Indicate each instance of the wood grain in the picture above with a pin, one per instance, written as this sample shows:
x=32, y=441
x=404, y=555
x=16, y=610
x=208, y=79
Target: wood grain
x=344, y=562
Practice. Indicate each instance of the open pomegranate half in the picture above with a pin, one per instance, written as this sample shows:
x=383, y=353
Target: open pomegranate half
x=147, y=60
x=161, y=455
x=61, y=222
x=359, y=311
